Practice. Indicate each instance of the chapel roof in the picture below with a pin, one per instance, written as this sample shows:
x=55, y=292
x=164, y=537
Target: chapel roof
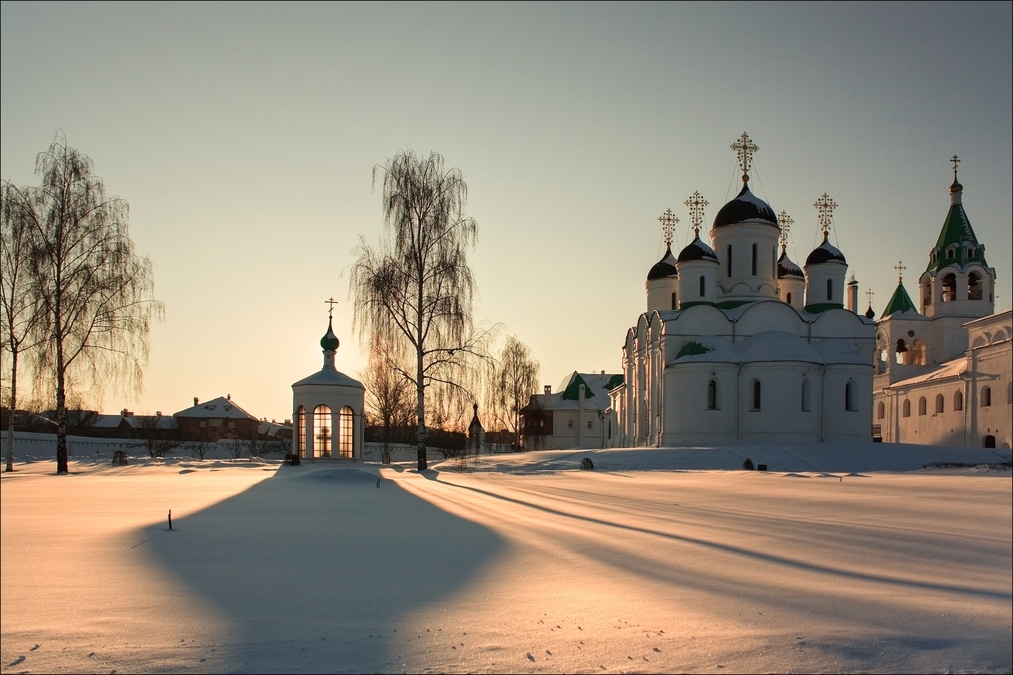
x=329, y=340
x=786, y=268
x=825, y=253
x=664, y=267
x=745, y=207
x=900, y=302
x=697, y=250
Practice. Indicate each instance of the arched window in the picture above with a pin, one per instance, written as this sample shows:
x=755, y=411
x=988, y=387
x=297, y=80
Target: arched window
x=973, y=287
x=849, y=395
x=958, y=400
x=907, y=408
x=805, y=394
x=703, y=286
x=927, y=295
x=754, y=260
x=830, y=290
x=922, y=406
x=346, y=428
x=986, y=396
x=949, y=285
x=939, y=404
x=322, y=436
x=675, y=305
x=881, y=411
x=988, y=441
x=729, y=260
x=788, y=299
x=712, y=395
x=300, y=431
x=756, y=395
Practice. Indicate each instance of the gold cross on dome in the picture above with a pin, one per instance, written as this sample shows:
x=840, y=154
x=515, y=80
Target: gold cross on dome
x=956, y=161
x=331, y=302
x=869, y=294
x=745, y=149
x=696, y=202
x=900, y=271
x=785, y=221
x=825, y=212
x=668, y=222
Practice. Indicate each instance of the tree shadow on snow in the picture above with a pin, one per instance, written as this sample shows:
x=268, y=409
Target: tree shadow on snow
x=317, y=565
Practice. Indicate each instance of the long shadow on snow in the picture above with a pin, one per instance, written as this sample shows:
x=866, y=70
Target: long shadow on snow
x=318, y=565
x=748, y=553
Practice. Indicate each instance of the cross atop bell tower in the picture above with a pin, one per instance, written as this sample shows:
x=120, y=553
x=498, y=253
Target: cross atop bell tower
x=330, y=309
x=745, y=149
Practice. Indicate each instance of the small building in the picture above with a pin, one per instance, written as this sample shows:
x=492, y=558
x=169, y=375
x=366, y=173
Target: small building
x=223, y=417
x=572, y=417
x=328, y=409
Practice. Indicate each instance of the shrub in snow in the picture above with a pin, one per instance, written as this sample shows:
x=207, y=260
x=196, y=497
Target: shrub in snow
x=586, y=464
x=748, y=464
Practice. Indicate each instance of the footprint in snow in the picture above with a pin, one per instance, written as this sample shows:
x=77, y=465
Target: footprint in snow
x=91, y=655
x=20, y=659
x=656, y=649
x=34, y=648
x=530, y=657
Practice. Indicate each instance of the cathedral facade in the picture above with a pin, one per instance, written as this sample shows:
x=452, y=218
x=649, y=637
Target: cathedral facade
x=741, y=344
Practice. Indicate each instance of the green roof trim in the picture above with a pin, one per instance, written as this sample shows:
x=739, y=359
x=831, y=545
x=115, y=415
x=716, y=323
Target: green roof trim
x=820, y=307
x=691, y=349
x=614, y=382
x=954, y=236
x=686, y=305
x=572, y=391
x=732, y=304
x=899, y=302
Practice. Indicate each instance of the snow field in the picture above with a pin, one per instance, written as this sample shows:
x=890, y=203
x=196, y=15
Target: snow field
x=518, y=564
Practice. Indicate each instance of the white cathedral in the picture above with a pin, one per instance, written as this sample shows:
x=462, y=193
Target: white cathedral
x=738, y=343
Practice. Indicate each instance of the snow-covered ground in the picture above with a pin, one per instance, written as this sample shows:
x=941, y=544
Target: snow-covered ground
x=838, y=558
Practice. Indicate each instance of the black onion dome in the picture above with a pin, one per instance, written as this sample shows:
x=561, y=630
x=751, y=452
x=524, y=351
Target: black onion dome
x=825, y=253
x=697, y=250
x=786, y=268
x=664, y=267
x=745, y=206
x=869, y=314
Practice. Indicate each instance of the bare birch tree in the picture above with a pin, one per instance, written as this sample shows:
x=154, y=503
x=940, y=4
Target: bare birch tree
x=415, y=285
x=95, y=292
x=388, y=392
x=19, y=305
x=514, y=379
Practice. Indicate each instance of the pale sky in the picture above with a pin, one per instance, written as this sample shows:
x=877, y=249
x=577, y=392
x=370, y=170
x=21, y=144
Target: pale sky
x=244, y=137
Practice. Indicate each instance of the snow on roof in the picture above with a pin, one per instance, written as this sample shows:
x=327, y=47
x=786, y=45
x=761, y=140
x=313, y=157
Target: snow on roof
x=329, y=376
x=947, y=370
x=219, y=408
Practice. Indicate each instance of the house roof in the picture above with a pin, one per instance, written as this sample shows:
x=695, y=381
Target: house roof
x=219, y=408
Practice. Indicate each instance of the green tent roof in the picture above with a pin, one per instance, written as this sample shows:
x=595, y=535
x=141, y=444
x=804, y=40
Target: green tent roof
x=900, y=302
x=955, y=233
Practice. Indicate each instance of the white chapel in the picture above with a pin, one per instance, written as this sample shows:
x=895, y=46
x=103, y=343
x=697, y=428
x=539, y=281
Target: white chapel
x=327, y=409
x=740, y=344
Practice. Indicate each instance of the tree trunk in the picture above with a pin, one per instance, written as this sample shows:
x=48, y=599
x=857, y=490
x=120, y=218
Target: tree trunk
x=61, y=410
x=420, y=410
x=13, y=411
